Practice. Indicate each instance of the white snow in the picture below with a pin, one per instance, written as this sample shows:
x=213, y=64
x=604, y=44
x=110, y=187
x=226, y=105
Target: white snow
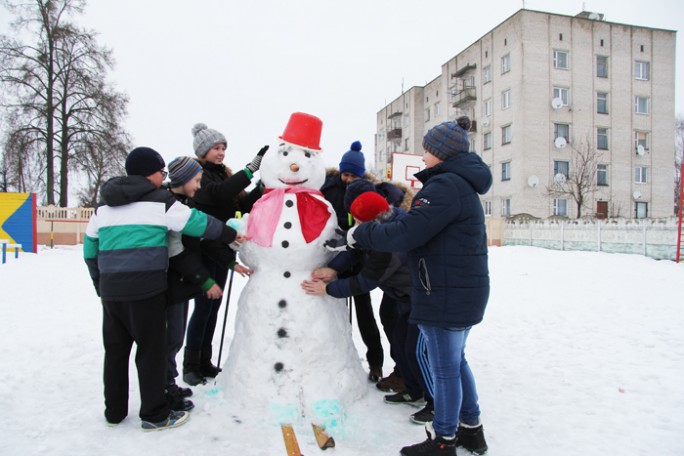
x=579, y=354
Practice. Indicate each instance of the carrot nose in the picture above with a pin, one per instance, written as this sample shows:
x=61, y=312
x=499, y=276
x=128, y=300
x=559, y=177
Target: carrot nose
x=294, y=167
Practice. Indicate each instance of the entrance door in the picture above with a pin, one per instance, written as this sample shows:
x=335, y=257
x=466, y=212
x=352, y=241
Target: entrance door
x=601, y=209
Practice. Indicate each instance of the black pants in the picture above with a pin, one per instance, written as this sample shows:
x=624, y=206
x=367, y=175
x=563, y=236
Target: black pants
x=368, y=329
x=176, y=322
x=404, y=341
x=142, y=322
x=389, y=313
x=204, y=316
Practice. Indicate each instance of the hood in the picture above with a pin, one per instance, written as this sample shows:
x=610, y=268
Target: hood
x=122, y=190
x=468, y=166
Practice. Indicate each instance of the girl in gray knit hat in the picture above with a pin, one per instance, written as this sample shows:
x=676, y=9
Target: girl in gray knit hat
x=222, y=195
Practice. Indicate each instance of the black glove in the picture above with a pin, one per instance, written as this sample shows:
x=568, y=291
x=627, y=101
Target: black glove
x=254, y=165
x=337, y=245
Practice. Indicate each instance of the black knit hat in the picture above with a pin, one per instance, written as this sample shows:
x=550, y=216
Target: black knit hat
x=354, y=189
x=144, y=161
x=448, y=139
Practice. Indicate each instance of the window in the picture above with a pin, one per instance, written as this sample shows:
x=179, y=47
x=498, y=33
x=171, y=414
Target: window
x=488, y=140
x=427, y=115
x=640, y=175
x=473, y=145
x=506, y=171
x=561, y=131
x=602, y=102
x=487, y=74
x=506, y=99
x=642, y=70
x=561, y=60
x=602, y=138
x=506, y=63
x=641, y=209
x=560, y=207
x=561, y=167
x=506, y=207
x=602, y=175
x=506, y=134
x=487, y=107
x=436, y=109
x=562, y=93
x=640, y=139
x=641, y=105
x=601, y=66
x=487, y=205
x=406, y=145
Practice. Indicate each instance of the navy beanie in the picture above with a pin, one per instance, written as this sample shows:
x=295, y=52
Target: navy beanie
x=353, y=161
x=448, y=139
x=354, y=189
x=182, y=169
x=144, y=161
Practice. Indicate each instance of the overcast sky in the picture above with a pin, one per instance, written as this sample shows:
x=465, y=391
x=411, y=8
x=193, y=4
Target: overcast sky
x=242, y=67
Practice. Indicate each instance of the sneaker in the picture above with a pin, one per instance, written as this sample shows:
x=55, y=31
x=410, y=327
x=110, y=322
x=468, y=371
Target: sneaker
x=424, y=415
x=393, y=382
x=435, y=445
x=176, y=401
x=375, y=374
x=174, y=419
x=405, y=397
x=471, y=438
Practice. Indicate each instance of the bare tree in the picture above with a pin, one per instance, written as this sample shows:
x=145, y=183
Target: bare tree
x=679, y=155
x=56, y=99
x=581, y=181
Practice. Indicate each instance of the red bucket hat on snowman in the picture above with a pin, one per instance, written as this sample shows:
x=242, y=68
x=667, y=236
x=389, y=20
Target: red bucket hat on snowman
x=303, y=130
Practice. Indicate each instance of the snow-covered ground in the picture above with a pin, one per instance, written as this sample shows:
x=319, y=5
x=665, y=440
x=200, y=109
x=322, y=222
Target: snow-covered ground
x=580, y=354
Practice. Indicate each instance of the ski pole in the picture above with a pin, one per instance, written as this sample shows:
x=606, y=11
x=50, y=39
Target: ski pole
x=225, y=316
x=225, y=313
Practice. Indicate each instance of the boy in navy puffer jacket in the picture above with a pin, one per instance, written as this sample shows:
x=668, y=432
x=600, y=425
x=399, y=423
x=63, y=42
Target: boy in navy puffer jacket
x=445, y=238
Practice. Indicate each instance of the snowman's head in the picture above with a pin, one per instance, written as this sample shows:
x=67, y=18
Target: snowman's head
x=293, y=166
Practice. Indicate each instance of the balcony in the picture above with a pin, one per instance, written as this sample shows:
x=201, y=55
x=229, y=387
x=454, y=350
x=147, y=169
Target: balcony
x=463, y=70
x=464, y=96
x=394, y=134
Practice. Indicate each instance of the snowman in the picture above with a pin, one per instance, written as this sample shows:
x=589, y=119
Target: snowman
x=296, y=347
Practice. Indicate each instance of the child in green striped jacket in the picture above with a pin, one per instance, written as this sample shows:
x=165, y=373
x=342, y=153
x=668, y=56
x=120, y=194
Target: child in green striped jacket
x=126, y=250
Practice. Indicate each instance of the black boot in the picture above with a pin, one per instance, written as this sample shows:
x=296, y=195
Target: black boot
x=176, y=402
x=192, y=374
x=206, y=368
x=471, y=438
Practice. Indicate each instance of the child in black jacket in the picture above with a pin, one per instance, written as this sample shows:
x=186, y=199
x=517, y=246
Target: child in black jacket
x=222, y=195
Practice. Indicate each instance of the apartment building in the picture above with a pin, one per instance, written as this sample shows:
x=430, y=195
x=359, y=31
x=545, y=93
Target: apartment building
x=564, y=108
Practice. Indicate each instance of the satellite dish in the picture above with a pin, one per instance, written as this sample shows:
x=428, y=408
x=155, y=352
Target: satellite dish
x=556, y=103
x=532, y=181
x=640, y=150
x=559, y=178
x=636, y=194
x=485, y=121
x=560, y=142
x=594, y=16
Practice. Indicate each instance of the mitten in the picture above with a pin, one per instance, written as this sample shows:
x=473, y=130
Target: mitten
x=254, y=165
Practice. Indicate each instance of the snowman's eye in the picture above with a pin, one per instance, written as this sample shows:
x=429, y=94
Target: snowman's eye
x=307, y=154
x=285, y=153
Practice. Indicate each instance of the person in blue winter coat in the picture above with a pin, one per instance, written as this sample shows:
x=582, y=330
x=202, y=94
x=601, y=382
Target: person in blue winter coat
x=126, y=251
x=446, y=243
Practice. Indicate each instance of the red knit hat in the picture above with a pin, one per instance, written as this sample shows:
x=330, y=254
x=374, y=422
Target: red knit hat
x=367, y=206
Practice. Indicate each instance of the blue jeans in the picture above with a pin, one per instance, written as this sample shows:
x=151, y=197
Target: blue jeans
x=453, y=385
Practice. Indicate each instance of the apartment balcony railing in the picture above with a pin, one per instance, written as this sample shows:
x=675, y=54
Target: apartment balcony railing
x=464, y=96
x=394, y=134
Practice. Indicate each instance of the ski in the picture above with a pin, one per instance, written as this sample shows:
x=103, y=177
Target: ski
x=322, y=438
x=290, y=439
